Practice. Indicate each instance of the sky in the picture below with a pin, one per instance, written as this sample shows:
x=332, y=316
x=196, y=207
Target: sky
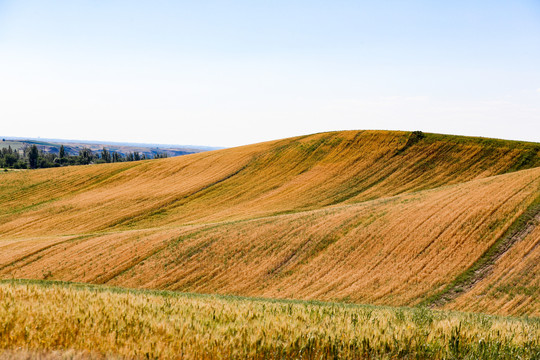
x=228, y=73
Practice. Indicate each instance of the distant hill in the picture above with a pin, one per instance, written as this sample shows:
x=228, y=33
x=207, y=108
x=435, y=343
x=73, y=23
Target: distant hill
x=72, y=147
x=382, y=217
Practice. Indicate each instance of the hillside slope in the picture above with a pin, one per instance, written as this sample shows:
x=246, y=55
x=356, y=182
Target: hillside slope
x=258, y=180
x=513, y=287
x=365, y=216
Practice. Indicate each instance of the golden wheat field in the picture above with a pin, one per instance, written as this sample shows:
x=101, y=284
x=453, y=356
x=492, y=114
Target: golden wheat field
x=75, y=321
x=242, y=183
x=514, y=285
x=378, y=217
x=358, y=216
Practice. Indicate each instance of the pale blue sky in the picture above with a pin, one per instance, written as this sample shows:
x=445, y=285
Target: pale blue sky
x=237, y=72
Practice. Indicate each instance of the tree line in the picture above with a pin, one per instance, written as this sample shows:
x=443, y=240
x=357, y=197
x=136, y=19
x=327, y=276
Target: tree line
x=32, y=158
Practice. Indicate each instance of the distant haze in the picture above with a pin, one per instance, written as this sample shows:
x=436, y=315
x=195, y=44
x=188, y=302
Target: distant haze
x=229, y=73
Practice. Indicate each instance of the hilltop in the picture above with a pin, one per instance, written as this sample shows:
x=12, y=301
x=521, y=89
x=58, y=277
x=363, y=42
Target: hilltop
x=394, y=218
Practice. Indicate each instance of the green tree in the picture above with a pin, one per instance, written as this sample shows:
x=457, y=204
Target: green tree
x=10, y=160
x=85, y=156
x=105, y=155
x=116, y=157
x=33, y=155
x=62, y=153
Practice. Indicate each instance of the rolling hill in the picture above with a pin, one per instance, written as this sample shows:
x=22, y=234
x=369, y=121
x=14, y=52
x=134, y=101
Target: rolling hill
x=393, y=218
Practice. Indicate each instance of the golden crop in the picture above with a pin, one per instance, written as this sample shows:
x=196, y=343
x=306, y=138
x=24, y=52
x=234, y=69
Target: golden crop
x=514, y=285
x=93, y=322
x=357, y=216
